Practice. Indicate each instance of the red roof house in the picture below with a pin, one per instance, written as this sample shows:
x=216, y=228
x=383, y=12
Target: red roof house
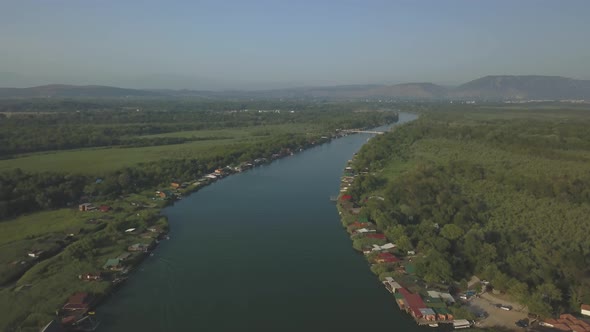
x=414, y=302
x=105, y=208
x=345, y=198
x=78, y=301
x=386, y=257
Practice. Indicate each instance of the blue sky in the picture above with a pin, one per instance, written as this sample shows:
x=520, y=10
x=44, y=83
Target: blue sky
x=264, y=44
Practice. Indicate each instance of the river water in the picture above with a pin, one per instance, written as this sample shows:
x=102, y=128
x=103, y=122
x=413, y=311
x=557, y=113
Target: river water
x=263, y=250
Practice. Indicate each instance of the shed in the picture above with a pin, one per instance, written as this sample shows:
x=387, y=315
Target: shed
x=138, y=247
x=461, y=324
x=112, y=264
x=86, y=207
x=388, y=246
x=386, y=257
x=443, y=314
x=391, y=285
x=428, y=313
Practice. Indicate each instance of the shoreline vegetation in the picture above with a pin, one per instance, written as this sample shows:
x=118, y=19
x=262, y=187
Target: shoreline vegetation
x=454, y=196
x=60, y=262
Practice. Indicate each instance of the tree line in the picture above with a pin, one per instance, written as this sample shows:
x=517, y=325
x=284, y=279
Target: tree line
x=504, y=199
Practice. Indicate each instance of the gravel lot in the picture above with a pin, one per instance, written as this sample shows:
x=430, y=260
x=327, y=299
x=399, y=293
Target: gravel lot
x=497, y=317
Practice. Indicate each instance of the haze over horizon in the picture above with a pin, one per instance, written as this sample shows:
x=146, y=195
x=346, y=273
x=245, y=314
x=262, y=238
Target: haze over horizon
x=275, y=44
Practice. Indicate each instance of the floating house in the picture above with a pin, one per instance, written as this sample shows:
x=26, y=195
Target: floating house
x=391, y=285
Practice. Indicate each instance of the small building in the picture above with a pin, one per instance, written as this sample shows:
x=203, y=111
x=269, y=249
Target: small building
x=78, y=301
x=138, y=247
x=113, y=264
x=461, y=324
x=428, y=314
x=175, y=185
x=386, y=257
x=391, y=285
x=165, y=194
x=446, y=297
x=86, y=207
x=155, y=229
x=104, y=208
x=345, y=197
x=388, y=246
x=585, y=309
x=35, y=253
x=443, y=314
x=96, y=276
x=365, y=230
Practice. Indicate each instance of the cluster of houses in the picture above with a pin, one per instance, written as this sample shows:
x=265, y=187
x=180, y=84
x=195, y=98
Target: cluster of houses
x=86, y=207
x=567, y=322
x=74, y=315
x=430, y=308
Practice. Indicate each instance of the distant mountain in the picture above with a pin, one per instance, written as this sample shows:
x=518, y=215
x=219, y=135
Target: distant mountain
x=523, y=87
x=485, y=88
x=73, y=91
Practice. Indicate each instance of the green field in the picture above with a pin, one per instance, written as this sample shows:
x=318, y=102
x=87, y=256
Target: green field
x=244, y=132
x=100, y=160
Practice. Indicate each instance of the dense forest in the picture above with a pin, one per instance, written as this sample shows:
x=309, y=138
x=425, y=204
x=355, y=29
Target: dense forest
x=500, y=195
x=110, y=123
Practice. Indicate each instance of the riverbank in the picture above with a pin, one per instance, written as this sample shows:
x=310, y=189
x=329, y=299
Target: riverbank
x=395, y=267
x=142, y=234
x=235, y=253
x=457, y=200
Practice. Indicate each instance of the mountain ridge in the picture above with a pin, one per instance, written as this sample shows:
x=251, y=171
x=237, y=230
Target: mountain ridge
x=491, y=87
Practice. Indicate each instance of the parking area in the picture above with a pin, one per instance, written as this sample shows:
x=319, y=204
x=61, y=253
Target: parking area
x=487, y=303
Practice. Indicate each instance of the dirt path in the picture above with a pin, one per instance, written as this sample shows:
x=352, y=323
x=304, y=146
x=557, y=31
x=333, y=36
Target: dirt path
x=486, y=302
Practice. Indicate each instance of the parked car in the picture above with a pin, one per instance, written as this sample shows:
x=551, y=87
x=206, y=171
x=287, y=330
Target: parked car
x=506, y=307
x=522, y=323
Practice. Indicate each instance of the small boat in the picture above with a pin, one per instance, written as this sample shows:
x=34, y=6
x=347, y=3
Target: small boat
x=433, y=325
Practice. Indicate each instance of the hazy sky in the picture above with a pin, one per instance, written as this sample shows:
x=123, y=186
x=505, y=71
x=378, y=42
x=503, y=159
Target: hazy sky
x=259, y=44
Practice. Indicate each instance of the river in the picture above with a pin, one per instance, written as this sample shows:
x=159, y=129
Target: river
x=263, y=250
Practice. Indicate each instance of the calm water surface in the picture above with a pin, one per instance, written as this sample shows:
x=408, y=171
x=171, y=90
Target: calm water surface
x=262, y=250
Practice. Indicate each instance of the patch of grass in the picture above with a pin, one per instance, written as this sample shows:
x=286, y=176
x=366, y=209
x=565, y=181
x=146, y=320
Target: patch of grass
x=99, y=160
x=38, y=224
x=243, y=131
